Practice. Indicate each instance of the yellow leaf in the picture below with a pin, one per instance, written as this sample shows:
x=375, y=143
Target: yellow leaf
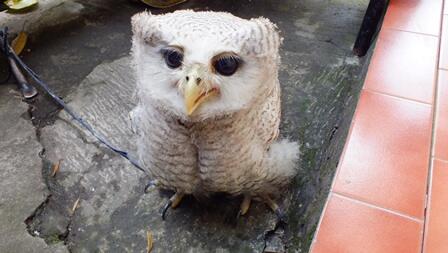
x=149, y=241
x=162, y=3
x=18, y=44
x=20, y=4
x=55, y=166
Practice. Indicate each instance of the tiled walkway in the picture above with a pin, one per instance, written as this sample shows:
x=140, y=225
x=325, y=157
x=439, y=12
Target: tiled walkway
x=390, y=193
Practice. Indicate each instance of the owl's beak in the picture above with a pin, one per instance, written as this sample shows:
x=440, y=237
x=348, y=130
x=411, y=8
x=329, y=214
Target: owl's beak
x=196, y=89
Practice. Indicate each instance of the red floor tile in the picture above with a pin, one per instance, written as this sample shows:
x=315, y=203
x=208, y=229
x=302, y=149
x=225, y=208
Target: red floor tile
x=352, y=227
x=387, y=154
x=441, y=135
x=437, y=222
x=404, y=64
x=443, y=58
x=422, y=16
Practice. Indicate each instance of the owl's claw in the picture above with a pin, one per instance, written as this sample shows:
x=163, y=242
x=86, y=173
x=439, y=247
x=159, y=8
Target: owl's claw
x=165, y=209
x=151, y=186
x=173, y=202
x=281, y=216
x=244, y=207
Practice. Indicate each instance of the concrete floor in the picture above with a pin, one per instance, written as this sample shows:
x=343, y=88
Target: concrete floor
x=86, y=62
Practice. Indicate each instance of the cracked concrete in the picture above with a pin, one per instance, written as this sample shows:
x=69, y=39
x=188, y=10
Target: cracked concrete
x=320, y=80
x=21, y=183
x=111, y=189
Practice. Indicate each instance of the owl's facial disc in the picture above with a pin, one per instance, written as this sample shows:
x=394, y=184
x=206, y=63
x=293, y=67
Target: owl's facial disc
x=197, y=85
x=197, y=88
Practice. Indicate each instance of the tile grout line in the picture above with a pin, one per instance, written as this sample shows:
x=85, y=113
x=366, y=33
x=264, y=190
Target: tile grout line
x=397, y=97
x=440, y=160
x=333, y=193
x=428, y=205
x=420, y=33
x=365, y=203
x=433, y=136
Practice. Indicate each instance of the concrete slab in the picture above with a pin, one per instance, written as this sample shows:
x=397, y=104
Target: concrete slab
x=46, y=13
x=113, y=210
x=21, y=183
x=320, y=80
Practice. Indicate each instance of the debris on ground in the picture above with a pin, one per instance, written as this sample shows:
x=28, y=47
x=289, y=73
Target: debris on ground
x=19, y=42
x=150, y=241
x=20, y=5
x=75, y=206
x=56, y=167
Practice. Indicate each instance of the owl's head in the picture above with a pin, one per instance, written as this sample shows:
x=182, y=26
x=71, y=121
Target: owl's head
x=199, y=65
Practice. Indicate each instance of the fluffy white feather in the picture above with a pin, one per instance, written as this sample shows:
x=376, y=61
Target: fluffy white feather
x=230, y=142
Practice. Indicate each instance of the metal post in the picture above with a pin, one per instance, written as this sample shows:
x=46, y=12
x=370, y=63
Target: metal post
x=27, y=90
x=369, y=26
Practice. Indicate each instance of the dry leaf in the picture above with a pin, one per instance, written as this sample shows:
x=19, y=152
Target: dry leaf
x=56, y=168
x=75, y=206
x=162, y=3
x=20, y=4
x=18, y=44
x=150, y=241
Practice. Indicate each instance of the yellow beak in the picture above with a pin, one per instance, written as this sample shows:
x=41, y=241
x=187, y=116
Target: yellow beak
x=196, y=90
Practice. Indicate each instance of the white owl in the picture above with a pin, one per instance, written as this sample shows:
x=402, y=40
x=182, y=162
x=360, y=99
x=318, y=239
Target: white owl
x=209, y=106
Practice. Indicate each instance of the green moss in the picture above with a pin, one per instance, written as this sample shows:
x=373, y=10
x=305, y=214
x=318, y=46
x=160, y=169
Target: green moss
x=53, y=239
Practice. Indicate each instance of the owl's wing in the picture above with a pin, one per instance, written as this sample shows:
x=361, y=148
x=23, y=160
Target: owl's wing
x=269, y=114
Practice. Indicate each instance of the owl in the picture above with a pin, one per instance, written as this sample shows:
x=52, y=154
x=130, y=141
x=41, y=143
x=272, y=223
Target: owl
x=208, y=111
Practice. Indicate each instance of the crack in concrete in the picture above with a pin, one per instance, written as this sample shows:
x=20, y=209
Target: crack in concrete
x=34, y=221
x=29, y=220
x=111, y=219
x=274, y=239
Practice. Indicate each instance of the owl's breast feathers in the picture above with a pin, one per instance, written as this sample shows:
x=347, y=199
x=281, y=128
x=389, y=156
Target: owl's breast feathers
x=229, y=154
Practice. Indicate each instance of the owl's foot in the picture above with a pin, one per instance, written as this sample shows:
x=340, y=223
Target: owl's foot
x=173, y=202
x=244, y=207
x=276, y=209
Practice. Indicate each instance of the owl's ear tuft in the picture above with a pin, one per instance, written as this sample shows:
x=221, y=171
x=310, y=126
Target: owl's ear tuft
x=272, y=32
x=139, y=22
x=264, y=38
x=144, y=28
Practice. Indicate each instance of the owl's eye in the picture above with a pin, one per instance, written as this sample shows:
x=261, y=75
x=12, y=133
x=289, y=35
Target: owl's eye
x=173, y=57
x=227, y=65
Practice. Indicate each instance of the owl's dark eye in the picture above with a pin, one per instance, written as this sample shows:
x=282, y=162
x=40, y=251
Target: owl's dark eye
x=173, y=57
x=227, y=65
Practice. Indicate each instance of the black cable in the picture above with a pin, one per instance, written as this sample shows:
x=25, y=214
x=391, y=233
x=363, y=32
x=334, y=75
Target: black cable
x=9, y=52
x=4, y=37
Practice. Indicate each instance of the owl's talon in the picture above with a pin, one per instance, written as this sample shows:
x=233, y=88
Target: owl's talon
x=151, y=186
x=165, y=209
x=173, y=202
x=281, y=216
x=244, y=207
